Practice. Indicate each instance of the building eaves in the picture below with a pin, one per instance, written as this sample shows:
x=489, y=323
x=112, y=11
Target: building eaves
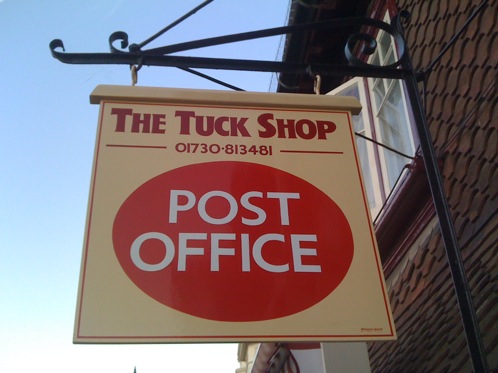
x=317, y=46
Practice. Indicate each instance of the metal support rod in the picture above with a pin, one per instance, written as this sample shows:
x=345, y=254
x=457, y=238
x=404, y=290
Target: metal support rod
x=169, y=27
x=334, y=24
x=391, y=149
x=161, y=56
x=461, y=285
x=183, y=62
x=211, y=79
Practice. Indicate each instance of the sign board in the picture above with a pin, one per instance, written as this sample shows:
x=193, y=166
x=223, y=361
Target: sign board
x=228, y=216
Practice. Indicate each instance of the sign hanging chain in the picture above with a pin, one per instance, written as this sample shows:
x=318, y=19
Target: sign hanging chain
x=317, y=84
x=134, y=75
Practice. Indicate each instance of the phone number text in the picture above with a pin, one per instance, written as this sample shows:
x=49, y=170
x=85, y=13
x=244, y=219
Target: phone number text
x=241, y=149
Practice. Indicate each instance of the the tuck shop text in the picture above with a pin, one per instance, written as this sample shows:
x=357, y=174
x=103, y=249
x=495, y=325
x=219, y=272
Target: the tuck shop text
x=187, y=122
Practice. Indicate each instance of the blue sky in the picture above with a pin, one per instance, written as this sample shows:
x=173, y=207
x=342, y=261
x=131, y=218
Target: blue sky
x=46, y=150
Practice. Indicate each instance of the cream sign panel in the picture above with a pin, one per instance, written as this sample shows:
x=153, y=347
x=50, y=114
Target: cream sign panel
x=220, y=216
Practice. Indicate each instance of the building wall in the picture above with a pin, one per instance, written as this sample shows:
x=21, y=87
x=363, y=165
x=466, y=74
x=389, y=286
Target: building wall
x=246, y=354
x=461, y=109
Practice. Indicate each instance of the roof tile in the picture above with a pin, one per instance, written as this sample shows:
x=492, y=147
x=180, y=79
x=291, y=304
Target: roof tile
x=492, y=145
x=474, y=169
x=462, y=115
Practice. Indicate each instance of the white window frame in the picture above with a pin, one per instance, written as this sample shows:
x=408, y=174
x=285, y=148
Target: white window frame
x=379, y=182
x=369, y=165
x=389, y=85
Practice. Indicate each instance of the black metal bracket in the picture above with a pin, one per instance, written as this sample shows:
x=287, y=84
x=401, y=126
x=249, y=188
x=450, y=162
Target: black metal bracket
x=358, y=44
x=162, y=56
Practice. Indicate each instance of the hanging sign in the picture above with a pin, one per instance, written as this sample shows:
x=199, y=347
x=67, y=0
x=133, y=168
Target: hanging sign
x=222, y=216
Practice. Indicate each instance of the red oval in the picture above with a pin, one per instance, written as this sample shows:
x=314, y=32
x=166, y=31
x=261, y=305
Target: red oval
x=234, y=293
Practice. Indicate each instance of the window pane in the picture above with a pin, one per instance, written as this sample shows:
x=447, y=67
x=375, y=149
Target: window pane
x=395, y=133
x=384, y=44
x=387, y=107
x=390, y=58
x=361, y=145
x=375, y=60
x=379, y=92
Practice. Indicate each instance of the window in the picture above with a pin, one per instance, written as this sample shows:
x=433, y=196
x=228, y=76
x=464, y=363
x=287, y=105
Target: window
x=366, y=151
x=385, y=119
x=390, y=114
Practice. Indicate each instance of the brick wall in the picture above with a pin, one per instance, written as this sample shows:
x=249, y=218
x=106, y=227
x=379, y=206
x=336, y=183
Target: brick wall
x=462, y=115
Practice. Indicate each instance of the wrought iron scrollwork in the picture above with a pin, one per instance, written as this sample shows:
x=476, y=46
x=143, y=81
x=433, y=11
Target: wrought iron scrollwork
x=118, y=36
x=161, y=56
x=369, y=44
